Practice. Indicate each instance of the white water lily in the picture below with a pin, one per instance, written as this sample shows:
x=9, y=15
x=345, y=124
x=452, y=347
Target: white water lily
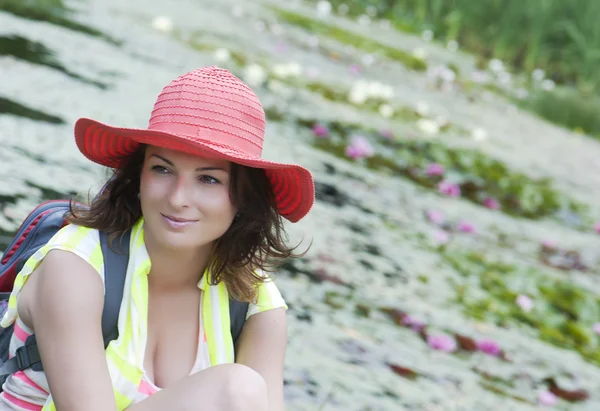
x=287, y=70
x=386, y=110
x=480, y=77
x=362, y=91
x=255, y=75
x=538, y=74
x=364, y=20
x=280, y=88
x=422, y=108
x=428, y=127
x=357, y=96
x=496, y=65
x=343, y=9
x=323, y=8
x=479, y=134
x=548, y=85
x=419, y=53
x=368, y=59
x=427, y=35
x=162, y=23
x=222, y=55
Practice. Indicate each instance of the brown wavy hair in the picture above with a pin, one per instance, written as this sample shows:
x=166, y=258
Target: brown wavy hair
x=254, y=243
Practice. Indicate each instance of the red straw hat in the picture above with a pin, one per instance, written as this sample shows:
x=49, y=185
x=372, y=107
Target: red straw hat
x=206, y=111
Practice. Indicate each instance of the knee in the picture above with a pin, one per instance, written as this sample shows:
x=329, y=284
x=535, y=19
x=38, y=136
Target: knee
x=245, y=389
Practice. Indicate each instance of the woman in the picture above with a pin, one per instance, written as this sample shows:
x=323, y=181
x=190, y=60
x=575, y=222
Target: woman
x=205, y=213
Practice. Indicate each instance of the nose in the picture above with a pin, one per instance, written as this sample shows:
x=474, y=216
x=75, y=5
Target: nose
x=179, y=194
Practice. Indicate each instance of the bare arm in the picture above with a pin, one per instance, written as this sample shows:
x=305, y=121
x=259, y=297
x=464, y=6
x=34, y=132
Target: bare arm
x=262, y=347
x=63, y=301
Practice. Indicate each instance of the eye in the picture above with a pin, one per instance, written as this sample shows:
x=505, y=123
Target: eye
x=209, y=180
x=160, y=169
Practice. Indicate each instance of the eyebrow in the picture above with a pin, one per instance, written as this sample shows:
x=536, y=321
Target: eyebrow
x=169, y=162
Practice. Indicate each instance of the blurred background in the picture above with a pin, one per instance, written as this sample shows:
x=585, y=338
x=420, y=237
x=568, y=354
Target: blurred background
x=455, y=239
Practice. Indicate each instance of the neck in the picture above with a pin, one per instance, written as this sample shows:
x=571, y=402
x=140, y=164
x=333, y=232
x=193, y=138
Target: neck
x=176, y=269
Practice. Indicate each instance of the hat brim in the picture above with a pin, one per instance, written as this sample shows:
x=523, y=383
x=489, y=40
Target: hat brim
x=292, y=184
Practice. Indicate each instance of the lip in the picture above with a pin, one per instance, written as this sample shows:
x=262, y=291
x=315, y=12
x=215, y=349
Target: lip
x=177, y=223
x=178, y=220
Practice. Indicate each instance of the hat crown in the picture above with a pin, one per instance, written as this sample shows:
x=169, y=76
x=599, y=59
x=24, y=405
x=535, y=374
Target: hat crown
x=212, y=105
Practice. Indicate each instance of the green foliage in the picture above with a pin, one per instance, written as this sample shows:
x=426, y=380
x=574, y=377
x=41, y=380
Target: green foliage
x=561, y=37
x=51, y=11
x=563, y=315
x=347, y=37
x=568, y=108
x=478, y=176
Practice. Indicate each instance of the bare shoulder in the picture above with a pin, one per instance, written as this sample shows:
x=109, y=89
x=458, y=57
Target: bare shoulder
x=64, y=277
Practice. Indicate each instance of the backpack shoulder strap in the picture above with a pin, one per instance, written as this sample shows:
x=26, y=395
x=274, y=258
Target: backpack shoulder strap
x=115, y=271
x=237, y=317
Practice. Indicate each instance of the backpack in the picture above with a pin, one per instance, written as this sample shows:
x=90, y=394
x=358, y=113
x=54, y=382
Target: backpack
x=35, y=231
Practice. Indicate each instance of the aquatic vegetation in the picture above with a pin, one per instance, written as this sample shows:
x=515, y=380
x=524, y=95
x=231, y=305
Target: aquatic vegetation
x=347, y=37
x=8, y=106
x=53, y=12
x=456, y=172
x=36, y=53
x=562, y=313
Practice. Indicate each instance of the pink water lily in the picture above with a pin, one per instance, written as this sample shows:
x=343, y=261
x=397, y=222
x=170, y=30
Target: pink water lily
x=435, y=216
x=387, y=133
x=449, y=189
x=435, y=169
x=320, y=130
x=441, y=342
x=547, y=398
x=414, y=323
x=466, y=227
x=491, y=203
x=549, y=244
x=596, y=328
x=441, y=237
x=525, y=302
x=597, y=227
x=489, y=347
x=359, y=148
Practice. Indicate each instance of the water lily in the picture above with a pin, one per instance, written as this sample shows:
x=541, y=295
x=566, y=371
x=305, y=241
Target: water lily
x=254, y=75
x=387, y=133
x=323, y=8
x=525, y=302
x=419, y=53
x=549, y=244
x=480, y=77
x=427, y=35
x=287, y=70
x=435, y=169
x=435, y=216
x=479, y=134
x=449, y=189
x=422, y=108
x=597, y=227
x=162, y=23
x=428, y=127
x=496, y=65
x=222, y=55
x=354, y=69
x=538, y=74
x=413, y=322
x=319, y=130
x=491, y=203
x=596, y=328
x=440, y=237
x=386, y=110
x=548, y=85
x=547, y=398
x=466, y=227
x=359, y=148
x=441, y=342
x=489, y=347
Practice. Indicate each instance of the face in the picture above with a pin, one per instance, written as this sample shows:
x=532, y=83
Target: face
x=185, y=199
